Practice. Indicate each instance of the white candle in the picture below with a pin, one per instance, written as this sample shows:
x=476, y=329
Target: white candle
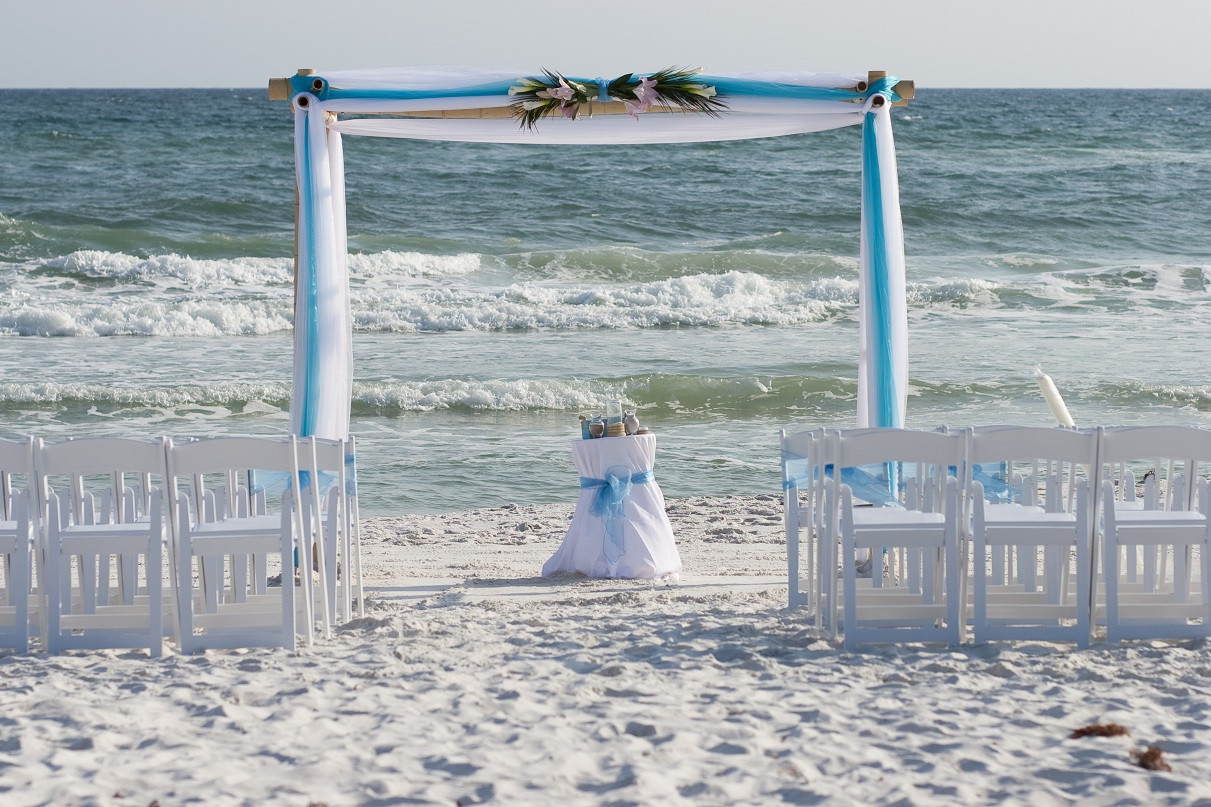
x=1052, y=396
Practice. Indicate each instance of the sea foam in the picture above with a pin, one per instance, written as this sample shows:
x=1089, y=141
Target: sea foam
x=98, y=293
x=661, y=391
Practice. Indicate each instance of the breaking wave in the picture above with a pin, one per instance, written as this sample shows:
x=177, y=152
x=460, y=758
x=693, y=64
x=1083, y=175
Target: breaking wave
x=97, y=293
x=734, y=396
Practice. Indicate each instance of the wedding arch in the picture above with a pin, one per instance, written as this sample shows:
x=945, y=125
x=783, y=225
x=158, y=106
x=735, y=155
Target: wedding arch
x=495, y=106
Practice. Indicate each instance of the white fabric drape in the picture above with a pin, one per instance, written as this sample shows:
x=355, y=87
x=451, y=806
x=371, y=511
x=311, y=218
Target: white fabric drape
x=323, y=350
x=758, y=105
x=652, y=127
x=882, y=295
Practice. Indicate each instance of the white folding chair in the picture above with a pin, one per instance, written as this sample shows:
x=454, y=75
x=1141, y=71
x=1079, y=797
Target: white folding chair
x=104, y=566
x=331, y=459
x=918, y=532
x=1032, y=556
x=334, y=497
x=802, y=486
x=17, y=531
x=225, y=553
x=243, y=493
x=1155, y=559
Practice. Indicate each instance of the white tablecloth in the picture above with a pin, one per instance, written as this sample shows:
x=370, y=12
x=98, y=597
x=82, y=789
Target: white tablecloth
x=637, y=545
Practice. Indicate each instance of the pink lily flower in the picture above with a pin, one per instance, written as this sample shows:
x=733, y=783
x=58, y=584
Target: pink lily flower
x=645, y=96
x=563, y=92
x=646, y=93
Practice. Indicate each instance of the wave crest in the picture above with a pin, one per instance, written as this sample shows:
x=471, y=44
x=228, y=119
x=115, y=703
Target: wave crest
x=173, y=269
x=98, y=293
x=188, y=318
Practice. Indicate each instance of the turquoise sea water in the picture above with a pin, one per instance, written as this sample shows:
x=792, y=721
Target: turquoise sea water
x=500, y=291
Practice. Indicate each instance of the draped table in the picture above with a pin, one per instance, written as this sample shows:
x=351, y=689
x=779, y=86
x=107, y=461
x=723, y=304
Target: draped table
x=619, y=527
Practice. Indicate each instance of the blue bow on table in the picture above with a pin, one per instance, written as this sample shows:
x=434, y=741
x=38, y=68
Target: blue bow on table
x=612, y=492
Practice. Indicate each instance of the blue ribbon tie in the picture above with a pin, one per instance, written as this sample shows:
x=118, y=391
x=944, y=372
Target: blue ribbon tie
x=996, y=489
x=612, y=492
x=886, y=87
x=867, y=486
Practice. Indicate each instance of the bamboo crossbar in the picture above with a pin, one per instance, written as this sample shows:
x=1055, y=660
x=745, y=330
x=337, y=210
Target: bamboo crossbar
x=498, y=112
x=279, y=90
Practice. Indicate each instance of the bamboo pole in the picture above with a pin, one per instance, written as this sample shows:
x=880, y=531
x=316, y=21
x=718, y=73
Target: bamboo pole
x=586, y=110
x=279, y=90
x=499, y=112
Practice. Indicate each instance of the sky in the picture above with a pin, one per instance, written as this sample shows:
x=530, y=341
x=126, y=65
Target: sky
x=937, y=43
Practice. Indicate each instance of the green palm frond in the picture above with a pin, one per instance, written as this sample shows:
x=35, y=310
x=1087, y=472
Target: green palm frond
x=672, y=87
x=679, y=87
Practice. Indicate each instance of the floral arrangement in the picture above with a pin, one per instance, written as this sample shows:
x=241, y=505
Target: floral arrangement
x=551, y=93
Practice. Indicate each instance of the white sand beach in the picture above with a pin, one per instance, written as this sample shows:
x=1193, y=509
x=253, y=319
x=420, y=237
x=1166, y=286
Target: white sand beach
x=474, y=681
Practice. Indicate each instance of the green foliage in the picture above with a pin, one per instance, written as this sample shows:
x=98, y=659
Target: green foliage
x=536, y=97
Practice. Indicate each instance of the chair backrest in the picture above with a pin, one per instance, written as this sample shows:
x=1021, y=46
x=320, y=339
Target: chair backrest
x=925, y=459
x=855, y=447
x=797, y=455
x=350, y=447
x=16, y=461
x=329, y=458
x=994, y=443
x=1032, y=457
x=803, y=463
x=232, y=459
x=102, y=464
x=332, y=461
x=351, y=465
x=1165, y=460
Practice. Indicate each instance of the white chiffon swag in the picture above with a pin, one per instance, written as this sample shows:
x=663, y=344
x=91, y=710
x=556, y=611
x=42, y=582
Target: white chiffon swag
x=758, y=105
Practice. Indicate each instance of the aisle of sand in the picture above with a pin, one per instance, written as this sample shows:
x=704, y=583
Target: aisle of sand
x=471, y=680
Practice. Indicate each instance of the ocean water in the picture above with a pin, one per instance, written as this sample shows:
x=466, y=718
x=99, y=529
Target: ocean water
x=499, y=291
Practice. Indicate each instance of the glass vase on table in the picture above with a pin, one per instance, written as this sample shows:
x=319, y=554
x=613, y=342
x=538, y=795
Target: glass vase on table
x=614, y=411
